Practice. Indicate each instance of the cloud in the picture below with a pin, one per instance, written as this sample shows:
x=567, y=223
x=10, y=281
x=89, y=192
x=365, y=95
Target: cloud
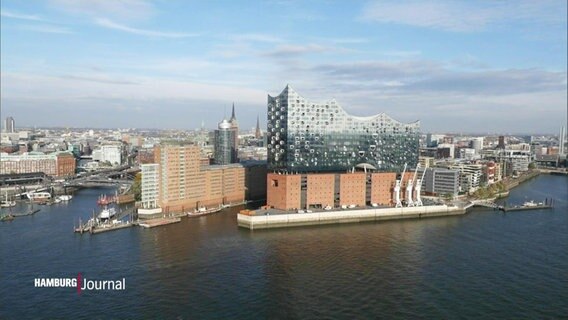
x=13, y=15
x=120, y=9
x=143, y=32
x=418, y=76
x=99, y=79
x=464, y=16
x=45, y=29
x=289, y=50
x=256, y=37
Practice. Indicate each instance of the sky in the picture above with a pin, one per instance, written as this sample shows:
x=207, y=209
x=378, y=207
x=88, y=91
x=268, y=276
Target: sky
x=457, y=66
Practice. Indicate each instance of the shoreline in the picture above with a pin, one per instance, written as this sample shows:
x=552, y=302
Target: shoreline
x=271, y=218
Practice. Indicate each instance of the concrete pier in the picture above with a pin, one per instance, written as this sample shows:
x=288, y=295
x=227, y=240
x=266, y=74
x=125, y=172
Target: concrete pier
x=270, y=218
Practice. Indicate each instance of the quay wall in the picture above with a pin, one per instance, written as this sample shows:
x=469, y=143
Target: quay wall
x=254, y=222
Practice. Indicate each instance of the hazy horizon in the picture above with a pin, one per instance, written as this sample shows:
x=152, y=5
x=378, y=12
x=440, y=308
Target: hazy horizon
x=455, y=66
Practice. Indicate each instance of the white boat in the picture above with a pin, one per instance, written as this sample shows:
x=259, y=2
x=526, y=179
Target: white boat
x=39, y=196
x=65, y=197
x=107, y=213
x=530, y=204
x=57, y=200
x=7, y=204
x=203, y=211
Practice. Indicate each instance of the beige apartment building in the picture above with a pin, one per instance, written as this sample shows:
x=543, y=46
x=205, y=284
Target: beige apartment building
x=185, y=183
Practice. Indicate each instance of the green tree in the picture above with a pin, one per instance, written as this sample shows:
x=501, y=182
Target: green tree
x=532, y=165
x=137, y=187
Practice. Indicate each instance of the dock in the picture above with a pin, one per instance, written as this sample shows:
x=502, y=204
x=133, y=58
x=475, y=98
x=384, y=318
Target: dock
x=92, y=226
x=531, y=205
x=151, y=223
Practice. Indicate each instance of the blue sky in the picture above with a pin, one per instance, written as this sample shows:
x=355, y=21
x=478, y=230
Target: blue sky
x=458, y=66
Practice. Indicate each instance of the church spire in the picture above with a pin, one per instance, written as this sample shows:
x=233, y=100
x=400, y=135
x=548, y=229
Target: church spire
x=233, y=117
x=257, y=133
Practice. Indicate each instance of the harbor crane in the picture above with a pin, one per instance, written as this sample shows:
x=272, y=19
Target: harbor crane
x=409, y=202
x=397, y=200
x=417, y=188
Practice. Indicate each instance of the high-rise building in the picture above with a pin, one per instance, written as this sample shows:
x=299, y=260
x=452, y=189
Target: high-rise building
x=225, y=143
x=477, y=144
x=501, y=144
x=10, y=125
x=316, y=137
x=150, y=185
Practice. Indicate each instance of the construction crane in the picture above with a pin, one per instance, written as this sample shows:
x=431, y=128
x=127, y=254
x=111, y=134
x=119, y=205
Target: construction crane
x=397, y=200
x=409, y=184
x=417, y=188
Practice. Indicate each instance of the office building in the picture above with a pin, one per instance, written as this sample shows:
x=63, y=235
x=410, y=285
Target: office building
x=322, y=137
x=477, y=144
x=440, y=181
x=150, y=185
x=501, y=144
x=9, y=125
x=225, y=147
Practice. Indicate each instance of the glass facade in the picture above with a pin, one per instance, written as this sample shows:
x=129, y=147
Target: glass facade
x=225, y=144
x=317, y=137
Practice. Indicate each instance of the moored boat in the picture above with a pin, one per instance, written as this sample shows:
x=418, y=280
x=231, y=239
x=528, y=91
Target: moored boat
x=204, y=211
x=65, y=197
x=107, y=213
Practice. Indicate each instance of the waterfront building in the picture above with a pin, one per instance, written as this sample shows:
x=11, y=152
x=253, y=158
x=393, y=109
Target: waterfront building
x=9, y=125
x=518, y=160
x=186, y=183
x=304, y=136
x=440, y=181
x=58, y=164
x=225, y=151
x=291, y=191
x=150, y=185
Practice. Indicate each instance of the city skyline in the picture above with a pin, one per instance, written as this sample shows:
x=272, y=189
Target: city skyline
x=125, y=64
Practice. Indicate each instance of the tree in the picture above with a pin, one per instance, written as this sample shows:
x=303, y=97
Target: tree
x=137, y=187
x=532, y=165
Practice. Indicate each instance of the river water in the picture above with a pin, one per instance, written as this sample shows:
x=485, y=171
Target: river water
x=484, y=265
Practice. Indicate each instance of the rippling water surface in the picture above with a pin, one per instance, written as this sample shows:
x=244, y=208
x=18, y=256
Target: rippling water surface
x=482, y=265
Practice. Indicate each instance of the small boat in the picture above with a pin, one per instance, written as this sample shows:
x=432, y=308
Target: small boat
x=65, y=197
x=530, y=204
x=7, y=204
x=56, y=200
x=203, y=211
x=41, y=197
x=107, y=213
